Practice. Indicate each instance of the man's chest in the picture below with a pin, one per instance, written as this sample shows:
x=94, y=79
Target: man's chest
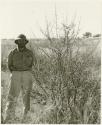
x=22, y=58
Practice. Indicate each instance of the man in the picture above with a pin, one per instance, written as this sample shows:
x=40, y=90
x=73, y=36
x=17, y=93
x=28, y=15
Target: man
x=20, y=62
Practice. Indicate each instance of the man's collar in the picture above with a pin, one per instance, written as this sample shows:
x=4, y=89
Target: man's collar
x=21, y=49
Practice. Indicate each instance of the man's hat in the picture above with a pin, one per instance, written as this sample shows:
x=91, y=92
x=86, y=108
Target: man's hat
x=21, y=37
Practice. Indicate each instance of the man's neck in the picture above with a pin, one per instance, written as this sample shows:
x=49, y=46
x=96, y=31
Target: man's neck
x=21, y=48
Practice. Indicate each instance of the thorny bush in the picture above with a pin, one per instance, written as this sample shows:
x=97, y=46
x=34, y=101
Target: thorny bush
x=70, y=79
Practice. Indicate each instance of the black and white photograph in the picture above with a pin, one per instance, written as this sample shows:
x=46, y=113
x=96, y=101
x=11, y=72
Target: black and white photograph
x=50, y=61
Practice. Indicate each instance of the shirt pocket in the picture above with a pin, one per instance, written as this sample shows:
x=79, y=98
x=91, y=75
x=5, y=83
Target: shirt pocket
x=28, y=60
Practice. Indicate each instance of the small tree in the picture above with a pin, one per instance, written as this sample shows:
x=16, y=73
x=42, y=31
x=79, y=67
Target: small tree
x=66, y=75
x=87, y=34
x=97, y=35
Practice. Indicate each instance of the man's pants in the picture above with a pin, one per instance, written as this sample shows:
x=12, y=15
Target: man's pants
x=20, y=80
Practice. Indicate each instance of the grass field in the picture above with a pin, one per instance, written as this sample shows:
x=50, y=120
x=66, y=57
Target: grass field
x=66, y=89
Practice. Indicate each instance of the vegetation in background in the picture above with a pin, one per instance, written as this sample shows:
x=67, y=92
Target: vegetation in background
x=87, y=34
x=97, y=35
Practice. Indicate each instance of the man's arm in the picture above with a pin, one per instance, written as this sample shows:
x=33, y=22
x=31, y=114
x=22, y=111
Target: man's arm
x=10, y=61
x=34, y=61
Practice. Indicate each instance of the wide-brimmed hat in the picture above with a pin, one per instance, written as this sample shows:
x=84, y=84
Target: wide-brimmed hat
x=21, y=38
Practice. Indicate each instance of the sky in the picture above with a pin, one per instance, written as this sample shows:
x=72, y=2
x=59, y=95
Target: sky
x=29, y=16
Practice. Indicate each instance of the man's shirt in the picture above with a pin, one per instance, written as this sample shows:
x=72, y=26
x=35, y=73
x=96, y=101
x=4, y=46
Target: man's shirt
x=20, y=61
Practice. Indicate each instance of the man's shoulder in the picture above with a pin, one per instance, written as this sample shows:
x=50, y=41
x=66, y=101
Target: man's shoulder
x=29, y=51
x=13, y=51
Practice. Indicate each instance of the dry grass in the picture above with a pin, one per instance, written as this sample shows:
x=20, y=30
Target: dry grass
x=66, y=88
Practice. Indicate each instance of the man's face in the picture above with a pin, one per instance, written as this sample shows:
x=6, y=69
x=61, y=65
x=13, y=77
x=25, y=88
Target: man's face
x=21, y=43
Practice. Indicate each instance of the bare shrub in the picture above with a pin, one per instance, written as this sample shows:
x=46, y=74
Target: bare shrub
x=66, y=77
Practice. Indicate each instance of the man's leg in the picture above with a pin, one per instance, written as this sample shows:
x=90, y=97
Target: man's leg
x=26, y=89
x=26, y=101
x=12, y=96
x=10, y=109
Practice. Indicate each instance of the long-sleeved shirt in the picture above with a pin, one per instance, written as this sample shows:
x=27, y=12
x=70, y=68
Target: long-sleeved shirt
x=20, y=61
